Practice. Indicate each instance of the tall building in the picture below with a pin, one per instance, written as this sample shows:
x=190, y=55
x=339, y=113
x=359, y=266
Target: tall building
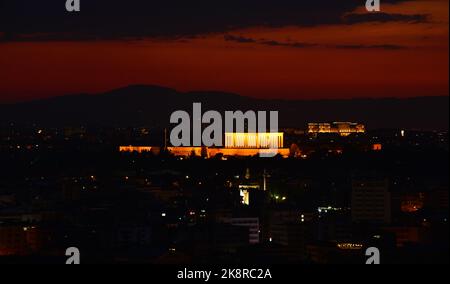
x=293, y=235
x=371, y=201
x=251, y=223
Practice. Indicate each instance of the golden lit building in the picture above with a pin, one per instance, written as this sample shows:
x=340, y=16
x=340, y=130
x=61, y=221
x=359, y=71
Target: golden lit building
x=187, y=151
x=236, y=145
x=138, y=149
x=349, y=246
x=245, y=194
x=254, y=140
x=341, y=128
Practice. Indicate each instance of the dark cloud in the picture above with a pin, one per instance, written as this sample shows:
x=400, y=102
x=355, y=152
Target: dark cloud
x=384, y=18
x=287, y=44
x=301, y=45
x=239, y=39
x=134, y=19
x=374, y=46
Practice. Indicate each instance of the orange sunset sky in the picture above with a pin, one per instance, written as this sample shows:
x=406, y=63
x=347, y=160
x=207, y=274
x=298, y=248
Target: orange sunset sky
x=331, y=60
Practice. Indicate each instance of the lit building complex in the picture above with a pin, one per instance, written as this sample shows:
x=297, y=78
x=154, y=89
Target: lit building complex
x=341, y=128
x=236, y=145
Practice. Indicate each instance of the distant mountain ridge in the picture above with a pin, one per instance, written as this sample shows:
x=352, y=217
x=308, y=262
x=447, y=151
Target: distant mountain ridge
x=151, y=106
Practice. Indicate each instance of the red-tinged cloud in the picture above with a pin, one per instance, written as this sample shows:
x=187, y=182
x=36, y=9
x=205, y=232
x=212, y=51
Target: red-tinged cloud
x=267, y=49
x=302, y=45
x=31, y=20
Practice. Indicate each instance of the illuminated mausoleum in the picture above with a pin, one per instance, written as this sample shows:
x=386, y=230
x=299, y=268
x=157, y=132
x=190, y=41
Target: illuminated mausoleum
x=236, y=145
x=254, y=140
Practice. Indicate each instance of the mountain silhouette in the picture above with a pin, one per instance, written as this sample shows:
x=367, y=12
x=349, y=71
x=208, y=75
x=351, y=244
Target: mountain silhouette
x=152, y=106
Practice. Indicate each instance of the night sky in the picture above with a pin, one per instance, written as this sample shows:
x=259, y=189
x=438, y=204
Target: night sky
x=296, y=49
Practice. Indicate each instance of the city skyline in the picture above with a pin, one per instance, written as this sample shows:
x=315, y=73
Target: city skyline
x=291, y=50
x=258, y=134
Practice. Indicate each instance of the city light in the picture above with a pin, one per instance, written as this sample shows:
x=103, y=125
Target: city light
x=349, y=246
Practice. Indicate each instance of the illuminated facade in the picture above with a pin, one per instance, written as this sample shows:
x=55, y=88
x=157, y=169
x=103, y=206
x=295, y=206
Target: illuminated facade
x=212, y=152
x=349, y=246
x=341, y=128
x=254, y=140
x=245, y=191
x=188, y=151
x=137, y=149
x=236, y=145
x=245, y=195
x=206, y=152
x=377, y=147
